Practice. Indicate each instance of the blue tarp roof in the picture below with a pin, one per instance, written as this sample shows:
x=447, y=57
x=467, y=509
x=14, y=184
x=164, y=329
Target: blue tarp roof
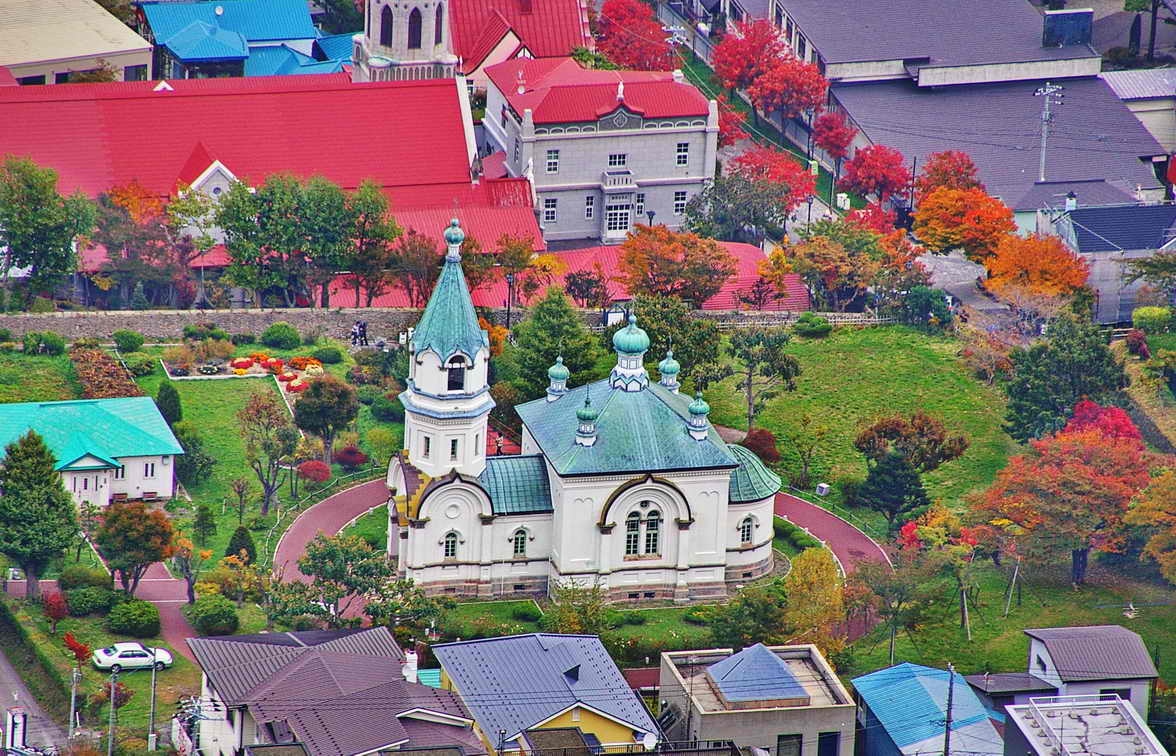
x=256, y=20
x=755, y=674
x=201, y=41
x=910, y=702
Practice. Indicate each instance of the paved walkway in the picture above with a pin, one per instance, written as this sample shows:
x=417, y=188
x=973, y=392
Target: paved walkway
x=169, y=595
x=850, y=545
x=328, y=516
x=42, y=730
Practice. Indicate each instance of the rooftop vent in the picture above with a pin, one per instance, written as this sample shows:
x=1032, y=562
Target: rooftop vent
x=573, y=673
x=219, y=10
x=1067, y=28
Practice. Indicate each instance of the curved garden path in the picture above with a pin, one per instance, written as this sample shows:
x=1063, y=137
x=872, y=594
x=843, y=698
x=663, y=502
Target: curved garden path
x=328, y=516
x=850, y=545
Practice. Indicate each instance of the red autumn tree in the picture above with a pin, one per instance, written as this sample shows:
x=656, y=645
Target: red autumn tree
x=966, y=219
x=1066, y=496
x=1112, y=422
x=879, y=170
x=78, y=650
x=730, y=123
x=659, y=262
x=951, y=168
x=746, y=52
x=316, y=470
x=874, y=217
x=53, y=604
x=631, y=37
x=922, y=441
x=1041, y=264
x=833, y=134
x=789, y=88
x=780, y=169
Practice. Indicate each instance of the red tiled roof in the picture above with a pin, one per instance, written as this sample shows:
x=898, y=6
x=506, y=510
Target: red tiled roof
x=197, y=164
x=642, y=677
x=558, y=90
x=399, y=134
x=547, y=28
x=7, y=79
x=494, y=164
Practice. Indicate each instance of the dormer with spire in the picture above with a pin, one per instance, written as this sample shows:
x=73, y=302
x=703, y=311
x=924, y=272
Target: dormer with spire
x=586, y=422
x=698, y=425
x=448, y=394
x=557, y=375
x=668, y=370
x=631, y=343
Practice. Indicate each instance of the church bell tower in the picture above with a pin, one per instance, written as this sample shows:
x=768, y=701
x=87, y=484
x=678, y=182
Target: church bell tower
x=404, y=39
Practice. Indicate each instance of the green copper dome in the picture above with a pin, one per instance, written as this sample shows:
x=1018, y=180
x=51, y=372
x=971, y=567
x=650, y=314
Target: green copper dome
x=559, y=371
x=631, y=339
x=751, y=481
x=587, y=413
x=669, y=366
x=698, y=406
x=454, y=234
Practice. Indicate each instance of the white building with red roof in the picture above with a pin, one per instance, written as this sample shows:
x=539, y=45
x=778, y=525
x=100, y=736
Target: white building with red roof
x=603, y=149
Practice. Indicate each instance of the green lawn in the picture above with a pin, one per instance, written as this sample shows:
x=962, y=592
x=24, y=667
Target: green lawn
x=37, y=378
x=855, y=376
x=1161, y=341
x=667, y=623
x=463, y=617
x=372, y=527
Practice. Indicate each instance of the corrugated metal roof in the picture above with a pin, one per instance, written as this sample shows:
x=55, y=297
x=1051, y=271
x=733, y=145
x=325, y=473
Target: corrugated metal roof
x=751, y=481
x=256, y=20
x=1089, y=192
x=1143, y=84
x=335, y=46
x=201, y=41
x=43, y=30
x=1095, y=136
x=274, y=60
x=517, y=485
x=1008, y=682
x=755, y=674
x=1120, y=228
x=1096, y=652
x=548, y=28
x=515, y=682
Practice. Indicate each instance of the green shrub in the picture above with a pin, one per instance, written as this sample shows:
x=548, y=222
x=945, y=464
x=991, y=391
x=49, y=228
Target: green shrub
x=368, y=394
x=242, y=541
x=387, y=410
x=214, y=615
x=243, y=338
x=140, y=363
x=813, y=326
x=128, y=341
x=8, y=346
x=93, y=600
x=1152, y=320
x=44, y=342
x=526, y=613
x=136, y=618
x=258, y=523
x=81, y=576
x=328, y=355
x=634, y=618
x=41, y=305
x=695, y=616
x=167, y=399
x=87, y=342
x=281, y=335
x=5, y=334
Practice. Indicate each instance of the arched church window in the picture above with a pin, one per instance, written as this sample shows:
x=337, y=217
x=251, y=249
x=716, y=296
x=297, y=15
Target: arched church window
x=450, y=545
x=633, y=534
x=745, y=530
x=386, y=27
x=414, y=29
x=457, y=370
x=519, y=540
x=653, y=533
x=438, y=24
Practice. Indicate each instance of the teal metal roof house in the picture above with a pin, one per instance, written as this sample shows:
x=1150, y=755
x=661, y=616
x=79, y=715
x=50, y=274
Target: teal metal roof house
x=105, y=448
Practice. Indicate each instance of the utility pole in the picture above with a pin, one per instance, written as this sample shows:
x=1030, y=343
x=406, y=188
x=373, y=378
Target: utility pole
x=110, y=731
x=75, y=675
x=1049, y=92
x=947, y=720
x=152, y=738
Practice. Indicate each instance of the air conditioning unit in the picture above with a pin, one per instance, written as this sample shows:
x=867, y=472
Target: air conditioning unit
x=822, y=489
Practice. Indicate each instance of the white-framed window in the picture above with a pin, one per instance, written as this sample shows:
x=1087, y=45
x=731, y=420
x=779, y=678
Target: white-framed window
x=426, y=446
x=456, y=369
x=616, y=217
x=120, y=473
x=452, y=449
x=679, y=202
x=450, y=545
x=589, y=207
x=633, y=534
x=643, y=534
x=653, y=533
x=550, y=210
x=617, y=160
x=519, y=543
x=148, y=469
x=746, y=529
x=682, y=155
x=639, y=204
x=86, y=483
x=553, y=161
x=477, y=444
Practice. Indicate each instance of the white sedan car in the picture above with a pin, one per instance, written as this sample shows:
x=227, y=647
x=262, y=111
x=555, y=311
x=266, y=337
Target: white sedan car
x=122, y=656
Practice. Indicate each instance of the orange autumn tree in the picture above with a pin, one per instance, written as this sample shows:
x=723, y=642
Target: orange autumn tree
x=1156, y=509
x=967, y=219
x=951, y=168
x=1068, y=494
x=1042, y=264
x=656, y=261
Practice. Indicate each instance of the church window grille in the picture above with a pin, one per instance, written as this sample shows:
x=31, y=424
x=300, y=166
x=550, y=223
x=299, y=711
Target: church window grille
x=653, y=533
x=633, y=534
x=456, y=378
x=519, y=540
x=745, y=530
x=450, y=545
x=438, y=24
x=452, y=449
x=386, y=27
x=414, y=29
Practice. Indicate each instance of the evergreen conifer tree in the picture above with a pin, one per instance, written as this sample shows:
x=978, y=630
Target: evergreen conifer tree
x=167, y=399
x=37, y=515
x=553, y=328
x=139, y=298
x=894, y=489
x=240, y=541
x=204, y=526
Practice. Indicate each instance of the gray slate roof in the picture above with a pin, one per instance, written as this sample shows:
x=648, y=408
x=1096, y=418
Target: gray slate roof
x=1088, y=192
x=1144, y=84
x=1122, y=227
x=1097, y=652
x=517, y=681
x=517, y=484
x=959, y=32
x=637, y=431
x=1095, y=136
x=1008, y=682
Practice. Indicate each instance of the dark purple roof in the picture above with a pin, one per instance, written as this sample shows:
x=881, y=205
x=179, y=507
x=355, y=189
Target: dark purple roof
x=999, y=683
x=951, y=32
x=1094, y=135
x=1096, y=652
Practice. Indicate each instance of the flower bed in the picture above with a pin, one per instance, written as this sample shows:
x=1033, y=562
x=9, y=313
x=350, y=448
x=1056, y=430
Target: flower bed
x=101, y=376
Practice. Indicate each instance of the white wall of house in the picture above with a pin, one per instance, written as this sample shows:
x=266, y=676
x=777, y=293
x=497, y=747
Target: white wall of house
x=221, y=728
x=1158, y=116
x=1042, y=665
x=153, y=474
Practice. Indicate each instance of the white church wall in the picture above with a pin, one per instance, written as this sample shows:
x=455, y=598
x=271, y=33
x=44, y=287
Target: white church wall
x=738, y=553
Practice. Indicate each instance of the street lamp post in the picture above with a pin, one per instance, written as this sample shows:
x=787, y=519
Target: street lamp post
x=650, y=213
x=510, y=279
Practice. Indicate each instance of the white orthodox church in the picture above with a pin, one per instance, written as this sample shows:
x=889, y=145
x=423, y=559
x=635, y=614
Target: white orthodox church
x=403, y=40
x=622, y=482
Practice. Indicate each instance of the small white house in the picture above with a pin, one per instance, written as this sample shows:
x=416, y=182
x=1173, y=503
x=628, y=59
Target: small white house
x=105, y=449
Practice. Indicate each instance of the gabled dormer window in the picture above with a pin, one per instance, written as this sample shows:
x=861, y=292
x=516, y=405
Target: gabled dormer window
x=457, y=370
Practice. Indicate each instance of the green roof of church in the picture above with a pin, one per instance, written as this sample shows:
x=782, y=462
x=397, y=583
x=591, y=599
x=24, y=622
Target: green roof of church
x=751, y=481
x=517, y=484
x=450, y=325
x=637, y=431
x=105, y=429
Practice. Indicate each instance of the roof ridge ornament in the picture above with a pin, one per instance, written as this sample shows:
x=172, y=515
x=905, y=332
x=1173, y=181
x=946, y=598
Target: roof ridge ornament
x=587, y=416
x=454, y=237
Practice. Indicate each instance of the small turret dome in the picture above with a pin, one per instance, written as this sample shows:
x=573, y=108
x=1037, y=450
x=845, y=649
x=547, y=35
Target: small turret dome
x=587, y=413
x=454, y=234
x=698, y=406
x=559, y=371
x=631, y=339
x=669, y=366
